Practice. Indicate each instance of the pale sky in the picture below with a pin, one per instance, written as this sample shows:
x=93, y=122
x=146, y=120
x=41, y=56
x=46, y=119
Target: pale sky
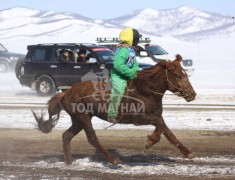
x=106, y=9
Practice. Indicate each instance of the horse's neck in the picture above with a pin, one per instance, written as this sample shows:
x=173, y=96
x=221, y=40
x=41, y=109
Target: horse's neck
x=160, y=85
x=151, y=82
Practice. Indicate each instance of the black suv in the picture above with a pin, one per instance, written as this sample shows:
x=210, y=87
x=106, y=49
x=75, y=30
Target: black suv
x=8, y=60
x=43, y=71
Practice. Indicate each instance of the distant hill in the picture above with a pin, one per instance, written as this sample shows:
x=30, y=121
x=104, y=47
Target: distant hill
x=185, y=23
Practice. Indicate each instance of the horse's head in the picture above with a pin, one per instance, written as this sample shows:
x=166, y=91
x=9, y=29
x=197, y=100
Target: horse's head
x=177, y=79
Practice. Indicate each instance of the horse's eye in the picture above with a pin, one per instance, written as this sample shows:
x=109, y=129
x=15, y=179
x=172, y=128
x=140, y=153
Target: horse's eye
x=179, y=76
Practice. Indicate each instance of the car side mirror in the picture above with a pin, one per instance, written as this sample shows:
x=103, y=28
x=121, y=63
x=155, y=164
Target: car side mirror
x=143, y=54
x=92, y=60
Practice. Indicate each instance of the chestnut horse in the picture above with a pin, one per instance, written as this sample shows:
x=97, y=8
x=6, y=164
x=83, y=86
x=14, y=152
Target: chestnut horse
x=141, y=105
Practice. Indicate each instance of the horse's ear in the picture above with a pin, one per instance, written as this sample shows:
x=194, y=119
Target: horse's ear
x=167, y=65
x=178, y=57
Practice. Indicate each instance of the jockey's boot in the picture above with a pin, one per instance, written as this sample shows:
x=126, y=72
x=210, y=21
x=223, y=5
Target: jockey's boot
x=112, y=120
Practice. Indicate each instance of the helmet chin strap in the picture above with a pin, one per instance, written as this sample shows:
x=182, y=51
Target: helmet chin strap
x=135, y=42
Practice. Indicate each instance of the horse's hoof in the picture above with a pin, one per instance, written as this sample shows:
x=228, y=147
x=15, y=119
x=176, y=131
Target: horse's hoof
x=148, y=144
x=116, y=161
x=68, y=163
x=190, y=155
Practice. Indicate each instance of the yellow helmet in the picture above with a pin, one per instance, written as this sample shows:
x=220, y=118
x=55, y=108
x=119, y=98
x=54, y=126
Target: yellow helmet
x=130, y=36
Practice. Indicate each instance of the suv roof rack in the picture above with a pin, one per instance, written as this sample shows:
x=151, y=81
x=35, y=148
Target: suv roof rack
x=107, y=39
x=115, y=39
x=145, y=40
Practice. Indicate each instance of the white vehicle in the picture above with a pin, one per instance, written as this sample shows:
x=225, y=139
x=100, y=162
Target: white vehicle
x=148, y=53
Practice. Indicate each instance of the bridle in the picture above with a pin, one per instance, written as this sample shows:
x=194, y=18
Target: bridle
x=179, y=91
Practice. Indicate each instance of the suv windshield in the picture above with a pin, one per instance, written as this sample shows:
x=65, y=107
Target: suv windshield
x=104, y=54
x=2, y=48
x=155, y=50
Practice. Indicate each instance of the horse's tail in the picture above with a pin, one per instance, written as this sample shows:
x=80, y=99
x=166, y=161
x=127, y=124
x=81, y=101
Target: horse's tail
x=54, y=109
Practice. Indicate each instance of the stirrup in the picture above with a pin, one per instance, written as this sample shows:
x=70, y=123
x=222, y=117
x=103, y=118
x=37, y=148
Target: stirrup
x=112, y=120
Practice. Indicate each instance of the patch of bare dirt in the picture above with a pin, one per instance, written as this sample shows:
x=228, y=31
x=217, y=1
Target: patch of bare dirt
x=19, y=146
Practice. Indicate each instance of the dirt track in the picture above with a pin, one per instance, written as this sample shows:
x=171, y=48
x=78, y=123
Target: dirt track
x=31, y=146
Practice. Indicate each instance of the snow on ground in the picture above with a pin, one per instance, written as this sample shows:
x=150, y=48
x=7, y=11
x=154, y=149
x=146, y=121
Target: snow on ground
x=191, y=168
x=195, y=120
x=205, y=120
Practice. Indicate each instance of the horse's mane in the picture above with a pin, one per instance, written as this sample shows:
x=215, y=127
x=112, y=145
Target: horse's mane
x=145, y=74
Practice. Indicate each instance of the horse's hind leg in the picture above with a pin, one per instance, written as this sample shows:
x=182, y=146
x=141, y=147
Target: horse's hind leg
x=171, y=137
x=67, y=137
x=93, y=140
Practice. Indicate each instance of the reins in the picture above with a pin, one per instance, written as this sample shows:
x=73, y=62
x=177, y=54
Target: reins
x=178, y=89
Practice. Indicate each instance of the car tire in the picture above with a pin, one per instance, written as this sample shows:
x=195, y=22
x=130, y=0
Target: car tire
x=3, y=67
x=17, y=68
x=45, y=86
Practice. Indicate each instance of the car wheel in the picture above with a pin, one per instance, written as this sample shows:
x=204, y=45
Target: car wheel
x=3, y=67
x=45, y=86
x=17, y=68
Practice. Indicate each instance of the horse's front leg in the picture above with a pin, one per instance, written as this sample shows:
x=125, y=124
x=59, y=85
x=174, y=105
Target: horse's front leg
x=156, y=135
x=153, y=138
x=171, y=137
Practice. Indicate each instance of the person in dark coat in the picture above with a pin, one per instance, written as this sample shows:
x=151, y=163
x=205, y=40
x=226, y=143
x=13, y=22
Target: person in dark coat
x=82, y=56
x=64, y=56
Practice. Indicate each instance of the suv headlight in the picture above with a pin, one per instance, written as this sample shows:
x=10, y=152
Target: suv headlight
x=187, y=62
